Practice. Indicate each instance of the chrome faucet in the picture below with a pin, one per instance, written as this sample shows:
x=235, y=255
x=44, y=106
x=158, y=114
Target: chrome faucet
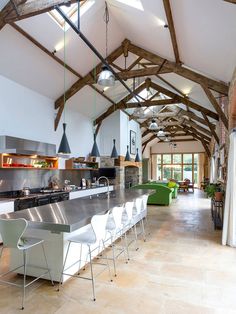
x=108, y=186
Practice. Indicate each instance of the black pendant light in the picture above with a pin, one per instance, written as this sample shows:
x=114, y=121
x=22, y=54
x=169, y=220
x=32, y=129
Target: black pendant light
x=127, y=156
x=95, y=151
x=137, y=158
x=64, y=147
x=114, y=153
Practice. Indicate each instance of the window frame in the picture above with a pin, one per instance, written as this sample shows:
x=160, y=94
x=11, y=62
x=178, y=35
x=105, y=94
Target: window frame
x=172, y=165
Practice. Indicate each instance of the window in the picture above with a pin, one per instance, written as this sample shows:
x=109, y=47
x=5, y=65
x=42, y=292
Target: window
x=71, y=12
x=177, y=166
x=167, y=159
x=187, y=158
x=177, y=158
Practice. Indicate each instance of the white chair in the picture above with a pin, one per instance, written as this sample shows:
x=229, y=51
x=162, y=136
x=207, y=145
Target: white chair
x=114, y=228
x=93, y=238
x=12, y=231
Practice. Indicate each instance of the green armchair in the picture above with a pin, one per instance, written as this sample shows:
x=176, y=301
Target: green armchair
x=162, y=195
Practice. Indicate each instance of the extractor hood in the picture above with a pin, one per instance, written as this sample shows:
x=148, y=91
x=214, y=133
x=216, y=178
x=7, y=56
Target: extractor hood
x=15, y=145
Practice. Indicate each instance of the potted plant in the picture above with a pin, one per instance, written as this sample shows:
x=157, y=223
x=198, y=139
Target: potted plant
x=214, y=190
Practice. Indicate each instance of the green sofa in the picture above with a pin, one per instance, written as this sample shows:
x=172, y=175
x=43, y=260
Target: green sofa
x=174, y=189
x=162, y=196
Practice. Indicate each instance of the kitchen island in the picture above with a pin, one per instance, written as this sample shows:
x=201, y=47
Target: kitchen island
x=57, y=222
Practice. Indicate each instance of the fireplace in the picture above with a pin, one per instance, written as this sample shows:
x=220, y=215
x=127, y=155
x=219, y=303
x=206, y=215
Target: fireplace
x=131, y=176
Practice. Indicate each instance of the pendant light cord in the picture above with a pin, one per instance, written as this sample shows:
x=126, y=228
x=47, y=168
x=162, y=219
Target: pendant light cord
x=64, y=56
x=106, y=18
x=94, y=96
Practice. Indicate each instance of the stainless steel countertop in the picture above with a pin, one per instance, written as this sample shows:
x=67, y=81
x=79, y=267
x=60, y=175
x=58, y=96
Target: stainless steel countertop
x=71, y=215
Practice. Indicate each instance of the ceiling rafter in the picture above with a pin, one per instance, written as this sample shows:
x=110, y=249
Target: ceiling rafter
x=215, y=104
x=184, y=100
x=32, y=8
x=231, y=1
x=150, y=103
x=211, y=128
x=196, y=77
x=171, y=27
x=9, y=7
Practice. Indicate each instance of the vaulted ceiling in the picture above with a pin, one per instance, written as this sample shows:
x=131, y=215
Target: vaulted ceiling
x=186, y=65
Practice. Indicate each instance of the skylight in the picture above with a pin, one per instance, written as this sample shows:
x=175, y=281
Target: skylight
x=137, y=4
x=71, y=12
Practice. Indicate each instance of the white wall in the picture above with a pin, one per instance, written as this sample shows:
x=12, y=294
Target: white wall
x=117, y=126
x=110, y=129
x=182, y=147
x=27, y=114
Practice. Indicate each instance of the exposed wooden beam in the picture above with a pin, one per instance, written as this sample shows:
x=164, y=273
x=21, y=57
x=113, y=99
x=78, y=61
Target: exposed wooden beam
x=124, y=75
x=32, y=8
x=171, y=27
x=97, y=129
x=58, y=117
x=185, y=101
x=191, y=130
x=87, y=78
x=220, y=87
x=49, y=53
x=215, y=104
x=120, y=105
x=198, y=127
x=7, y=10
x=150, y=103
x=134, y=63
x=231, y=1
x=193, y=116
x=211, y=128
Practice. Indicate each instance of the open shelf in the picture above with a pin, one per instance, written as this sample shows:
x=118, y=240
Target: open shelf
x=77, y=164
x=15, y=161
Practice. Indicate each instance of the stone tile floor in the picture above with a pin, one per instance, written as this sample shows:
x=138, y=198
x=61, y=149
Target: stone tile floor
x=181, y=269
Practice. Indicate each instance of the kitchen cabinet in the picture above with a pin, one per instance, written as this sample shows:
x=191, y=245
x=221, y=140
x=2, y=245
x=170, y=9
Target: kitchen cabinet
x=6, y=207
x=76, y=163
x=15, y=161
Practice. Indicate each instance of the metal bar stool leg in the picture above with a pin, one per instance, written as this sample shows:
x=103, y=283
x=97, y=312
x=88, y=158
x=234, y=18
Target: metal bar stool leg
x=105, y=254
x=80, y=257
x=143, y=230
x=91, y=270
x=113, y=256
x=46, y=262
x=126, y=244
x=24, y=282
x=63, y=267
x=136, y=237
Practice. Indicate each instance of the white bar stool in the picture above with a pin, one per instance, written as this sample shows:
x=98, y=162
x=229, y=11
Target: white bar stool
x=128, y=223
x=114, y=228
x=92, y=238
x=12, y=231
x=137, y=217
